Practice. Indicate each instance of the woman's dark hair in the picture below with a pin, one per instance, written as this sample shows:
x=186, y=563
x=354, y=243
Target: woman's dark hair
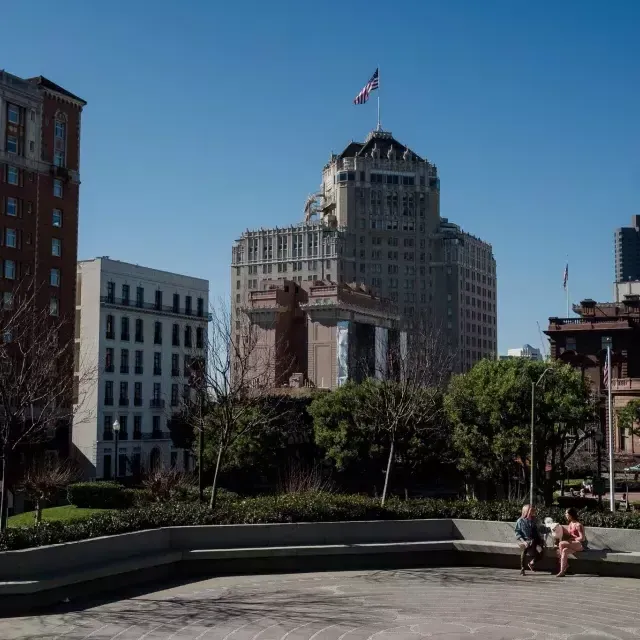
x=573, y=512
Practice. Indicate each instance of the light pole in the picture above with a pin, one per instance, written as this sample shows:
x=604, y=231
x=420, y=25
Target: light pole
x=116, y=430
x=533, y=414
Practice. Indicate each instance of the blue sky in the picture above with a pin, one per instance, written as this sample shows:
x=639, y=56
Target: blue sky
x=204, y=121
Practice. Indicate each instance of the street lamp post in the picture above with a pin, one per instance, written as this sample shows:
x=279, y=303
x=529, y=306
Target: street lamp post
x=533, y=413
x=116, y=430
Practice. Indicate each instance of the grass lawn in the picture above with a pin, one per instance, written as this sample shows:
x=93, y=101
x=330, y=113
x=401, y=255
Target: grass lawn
x=66, y=513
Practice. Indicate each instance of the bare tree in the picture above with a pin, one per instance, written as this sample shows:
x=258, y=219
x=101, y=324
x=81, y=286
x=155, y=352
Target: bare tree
x=162, y=484
x=234, y=377
x=412, y=367
x=300, y=478
x=43, y=480
x=39, y=384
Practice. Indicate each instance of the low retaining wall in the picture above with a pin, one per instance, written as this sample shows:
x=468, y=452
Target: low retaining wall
x=32, y=577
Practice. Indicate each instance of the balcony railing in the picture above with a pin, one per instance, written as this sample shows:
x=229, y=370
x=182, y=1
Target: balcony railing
x=137, y=435
x=139, y=371
x=175, y=373
x=108, y=401
x=124, y=368
x=125, y=336
x=157, y=371
x=157, y=435
x=111, y=335
x=156, y=403
x=137, y=402
x=123, y=402
x=108, y=368
x=107, y=435
x=152, y=306
x=625, y=384
x=589, y=320
x=123, y=435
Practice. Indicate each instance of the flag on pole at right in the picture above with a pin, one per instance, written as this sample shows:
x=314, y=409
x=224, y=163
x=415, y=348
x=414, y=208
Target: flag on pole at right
x=605, y=372
x=566, y=277
x=372, y=85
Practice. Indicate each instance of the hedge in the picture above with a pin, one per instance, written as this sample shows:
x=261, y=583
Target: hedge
x=100, y=495
x=313, y=507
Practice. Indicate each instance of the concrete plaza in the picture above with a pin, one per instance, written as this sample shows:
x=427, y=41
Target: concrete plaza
x=473, y=603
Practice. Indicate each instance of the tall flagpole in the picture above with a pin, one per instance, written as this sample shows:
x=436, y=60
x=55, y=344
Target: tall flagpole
x=612, y=482
x=567, y=289
x=378, y=128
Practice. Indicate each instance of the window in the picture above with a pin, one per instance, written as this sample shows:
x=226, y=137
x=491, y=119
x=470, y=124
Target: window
x=108, y=392
x=200, y=304
x=139, y=330
x=570, y=344
x=12, y=207
x=155, y=424
x=10, y=269
x=54, y=278
x=156, y=392
x=176, y=303
x=174, y=395
x=110, y=328
x=175, y=364
x=200, y=336
x=157, y=333
x=56, y=218
x=13, y=176
x=186, y=393
x=158, y=299
x=157, y=364
x=10, y=238
x=56, y=247
x=175, y=335
x=108, y=360
x=187, y=305
x=139, y=297
x=13, y=114
x=124, y=394
x=123, y=436
x=107, y=432
x=124, y=328
x=57, y=188
x=137, y=428
x=124, y=360
x=187, y=337
x=12, y=144
x=58, y=158
x=138, y=362
x=137, y=394
x=125, y=294
x=60, y=129
x=111, y=292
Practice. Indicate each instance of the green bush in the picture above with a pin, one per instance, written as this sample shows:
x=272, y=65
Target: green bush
x=311, y=507
x=564, y=502
x=101, y=495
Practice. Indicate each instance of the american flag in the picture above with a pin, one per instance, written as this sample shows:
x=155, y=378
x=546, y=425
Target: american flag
x=372, y=85
x=605, y=373
x=566, y=277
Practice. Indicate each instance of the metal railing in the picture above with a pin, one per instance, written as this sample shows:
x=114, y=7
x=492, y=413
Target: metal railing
x=152, y=306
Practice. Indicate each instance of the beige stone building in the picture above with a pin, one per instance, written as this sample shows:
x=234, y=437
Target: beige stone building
x=375, y=221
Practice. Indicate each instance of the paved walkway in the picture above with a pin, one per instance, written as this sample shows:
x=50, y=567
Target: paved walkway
x=477, y=604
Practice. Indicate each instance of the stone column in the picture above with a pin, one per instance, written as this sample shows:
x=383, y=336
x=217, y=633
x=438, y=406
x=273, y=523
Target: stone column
x=381, y=352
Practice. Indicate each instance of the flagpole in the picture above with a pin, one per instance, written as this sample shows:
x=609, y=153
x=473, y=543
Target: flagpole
x=378, y=128
x=612, y=482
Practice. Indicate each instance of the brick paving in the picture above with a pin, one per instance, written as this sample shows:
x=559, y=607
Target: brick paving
x=471, y=603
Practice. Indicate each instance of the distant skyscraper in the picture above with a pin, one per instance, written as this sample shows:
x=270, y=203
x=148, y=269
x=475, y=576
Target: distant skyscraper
x=627, y=250
x=376, y=221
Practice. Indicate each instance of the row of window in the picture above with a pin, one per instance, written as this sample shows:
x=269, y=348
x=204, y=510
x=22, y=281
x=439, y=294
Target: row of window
x=157, y=332
x=156, y=401
x=15, y=116
x=380, y=178
x=13, y=208
x=138, y=367
x=123, y=421
x=125, y=299
x=14, y=177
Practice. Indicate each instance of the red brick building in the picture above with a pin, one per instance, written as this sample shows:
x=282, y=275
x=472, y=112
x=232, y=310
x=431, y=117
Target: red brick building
x=582, y=342
x=39, y=185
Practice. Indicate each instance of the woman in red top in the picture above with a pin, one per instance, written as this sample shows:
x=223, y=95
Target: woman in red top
x=577, y=540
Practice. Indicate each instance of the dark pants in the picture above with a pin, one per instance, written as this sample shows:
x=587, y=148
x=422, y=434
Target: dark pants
x=529, y=553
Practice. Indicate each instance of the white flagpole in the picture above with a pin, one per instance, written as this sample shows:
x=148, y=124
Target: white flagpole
x=612, y=483
x=378, y=128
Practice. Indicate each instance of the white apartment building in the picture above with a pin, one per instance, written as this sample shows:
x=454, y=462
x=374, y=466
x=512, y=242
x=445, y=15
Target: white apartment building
x=139, y=329
x=526, y=351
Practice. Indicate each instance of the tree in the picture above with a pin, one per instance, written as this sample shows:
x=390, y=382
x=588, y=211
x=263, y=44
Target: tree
x=490, y=411
x=43, y=480
x=629, y=416
x=39, y=384
x=406, y=395
x=238, y=371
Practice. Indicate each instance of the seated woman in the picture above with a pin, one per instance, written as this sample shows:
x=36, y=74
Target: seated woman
x=577, y=540
x=530, y=538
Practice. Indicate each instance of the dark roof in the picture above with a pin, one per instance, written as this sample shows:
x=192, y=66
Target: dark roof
x=383, y=140
x=52, y=86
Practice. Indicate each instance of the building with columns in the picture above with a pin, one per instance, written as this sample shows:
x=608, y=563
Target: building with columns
x=375, y=221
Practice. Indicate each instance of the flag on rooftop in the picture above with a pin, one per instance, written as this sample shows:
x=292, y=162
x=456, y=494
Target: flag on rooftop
x=372, y=85
x=566, y=277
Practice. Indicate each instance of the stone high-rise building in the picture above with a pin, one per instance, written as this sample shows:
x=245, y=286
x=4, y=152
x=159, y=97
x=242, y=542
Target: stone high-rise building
x=627, y=251
x=376, y=221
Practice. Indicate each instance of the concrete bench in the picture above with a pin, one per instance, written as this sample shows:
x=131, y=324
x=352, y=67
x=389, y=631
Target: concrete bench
x=34, y=577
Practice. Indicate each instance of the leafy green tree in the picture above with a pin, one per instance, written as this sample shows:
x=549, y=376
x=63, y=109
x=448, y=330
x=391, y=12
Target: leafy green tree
x=629, y=416
x=490, y=412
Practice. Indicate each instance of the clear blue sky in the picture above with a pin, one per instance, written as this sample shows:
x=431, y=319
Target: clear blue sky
x=206, y=120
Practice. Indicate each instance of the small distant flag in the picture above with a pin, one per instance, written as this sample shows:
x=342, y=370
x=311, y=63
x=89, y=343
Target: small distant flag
x=566, y=277
x=372, y=85
x=605, y=373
